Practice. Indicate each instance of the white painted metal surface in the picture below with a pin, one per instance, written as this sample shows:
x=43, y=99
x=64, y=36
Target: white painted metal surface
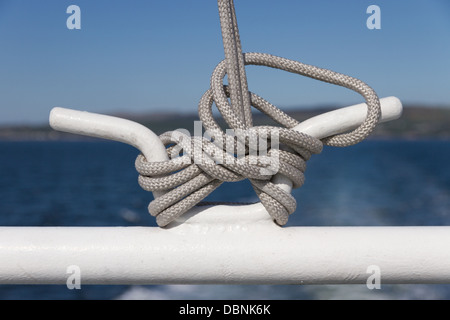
x=348, y=118
x=211, y=247
x=111, y=128
x=126, y=131
x=340, y=121
x=221, y=244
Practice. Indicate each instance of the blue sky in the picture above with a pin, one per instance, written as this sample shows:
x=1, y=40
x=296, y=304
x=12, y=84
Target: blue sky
x=139, y=56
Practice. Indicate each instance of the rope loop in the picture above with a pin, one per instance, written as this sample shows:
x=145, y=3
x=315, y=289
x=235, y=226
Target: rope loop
x=198, y=165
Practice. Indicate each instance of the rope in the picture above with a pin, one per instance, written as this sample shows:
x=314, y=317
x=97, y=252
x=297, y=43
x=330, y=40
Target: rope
x=199, y=165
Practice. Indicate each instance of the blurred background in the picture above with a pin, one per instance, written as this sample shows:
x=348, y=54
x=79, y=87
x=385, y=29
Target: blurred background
x=151, y=61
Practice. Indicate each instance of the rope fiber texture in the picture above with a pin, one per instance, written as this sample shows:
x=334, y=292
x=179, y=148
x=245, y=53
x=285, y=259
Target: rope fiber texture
x=199, y=165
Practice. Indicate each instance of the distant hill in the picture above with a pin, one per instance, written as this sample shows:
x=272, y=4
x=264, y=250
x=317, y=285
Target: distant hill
x=417, y=122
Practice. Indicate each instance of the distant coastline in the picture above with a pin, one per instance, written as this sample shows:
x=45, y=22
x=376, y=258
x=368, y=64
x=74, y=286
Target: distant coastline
x=416, y=122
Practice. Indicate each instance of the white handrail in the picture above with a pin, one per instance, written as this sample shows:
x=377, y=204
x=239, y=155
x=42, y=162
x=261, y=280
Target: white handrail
x=211, y=247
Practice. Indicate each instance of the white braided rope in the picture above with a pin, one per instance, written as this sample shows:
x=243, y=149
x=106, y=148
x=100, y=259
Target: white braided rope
x=187, y=181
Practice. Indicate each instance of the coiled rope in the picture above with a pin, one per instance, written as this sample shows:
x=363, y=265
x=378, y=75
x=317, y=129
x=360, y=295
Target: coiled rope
x=199, y=165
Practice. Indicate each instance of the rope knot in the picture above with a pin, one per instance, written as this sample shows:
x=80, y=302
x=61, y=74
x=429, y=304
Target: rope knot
x=198, y=165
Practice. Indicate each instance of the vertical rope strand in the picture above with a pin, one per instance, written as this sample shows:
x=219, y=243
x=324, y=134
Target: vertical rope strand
x=237, y=79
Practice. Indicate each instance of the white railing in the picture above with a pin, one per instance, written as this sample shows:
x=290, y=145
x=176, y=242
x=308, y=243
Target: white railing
x=221, y=244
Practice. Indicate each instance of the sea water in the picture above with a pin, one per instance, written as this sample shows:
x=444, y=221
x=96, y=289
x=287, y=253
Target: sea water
x=94, y=183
